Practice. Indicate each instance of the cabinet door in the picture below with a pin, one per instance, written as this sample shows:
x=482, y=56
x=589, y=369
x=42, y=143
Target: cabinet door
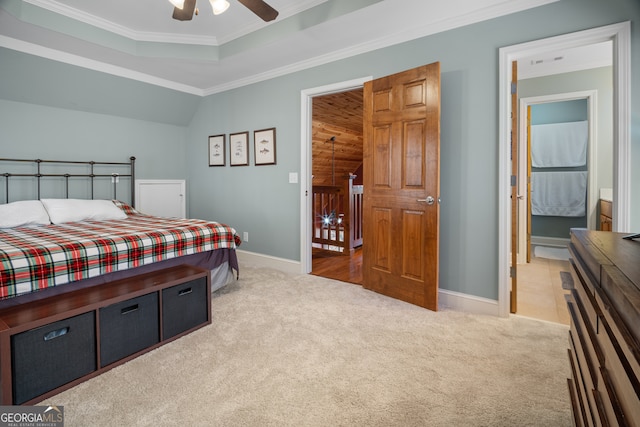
x=165, y=198
x=184, y=307
x=128, y=327
x=47, y=357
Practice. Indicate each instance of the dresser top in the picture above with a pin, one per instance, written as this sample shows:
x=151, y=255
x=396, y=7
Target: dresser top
x=608, y=248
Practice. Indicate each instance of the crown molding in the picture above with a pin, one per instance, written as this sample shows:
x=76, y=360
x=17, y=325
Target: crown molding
x=418, y=31
x=383, y=42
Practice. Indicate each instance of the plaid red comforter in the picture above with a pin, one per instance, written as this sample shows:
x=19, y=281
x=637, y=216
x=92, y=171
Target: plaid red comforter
x=33, y=258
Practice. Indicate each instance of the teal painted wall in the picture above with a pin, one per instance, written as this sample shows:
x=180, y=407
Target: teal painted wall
x=34, y=131
x=259, y=200
x=34, y=80
x=135, y=118
x=559, y=112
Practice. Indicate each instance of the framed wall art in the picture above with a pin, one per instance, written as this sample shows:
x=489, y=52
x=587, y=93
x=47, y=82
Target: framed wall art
x=239, y=149
x=216, y=150
x=264, y=141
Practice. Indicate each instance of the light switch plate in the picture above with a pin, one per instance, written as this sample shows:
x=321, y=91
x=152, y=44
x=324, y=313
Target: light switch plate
x=293, y=177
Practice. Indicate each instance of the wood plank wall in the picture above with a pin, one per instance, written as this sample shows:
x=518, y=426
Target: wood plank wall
x=338, y=115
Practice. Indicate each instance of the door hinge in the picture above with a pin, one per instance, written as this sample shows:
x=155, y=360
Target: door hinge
x=514, y=88
x=512, y=272
x=513, y=180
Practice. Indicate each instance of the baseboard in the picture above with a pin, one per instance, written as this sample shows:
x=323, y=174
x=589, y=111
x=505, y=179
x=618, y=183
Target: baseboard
x=266, y=261
x=467, y=303
x=446, y=299
x=550, y=241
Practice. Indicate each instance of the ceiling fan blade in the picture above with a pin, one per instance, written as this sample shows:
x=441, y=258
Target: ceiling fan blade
x=260, y=8
x=186, y=13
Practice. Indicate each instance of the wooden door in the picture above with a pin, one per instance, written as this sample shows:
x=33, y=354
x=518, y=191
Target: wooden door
x=529, y=183
x=514, y=186
x=401, y=156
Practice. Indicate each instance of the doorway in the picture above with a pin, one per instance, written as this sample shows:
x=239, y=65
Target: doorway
x=567, y=119
x=401, y=143
x=591, y=99
x=306, y=163
x=337, y=185
x=620, y=35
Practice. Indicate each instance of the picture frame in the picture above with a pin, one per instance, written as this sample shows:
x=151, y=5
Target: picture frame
x=239, y=149
x=264, y=141
x=217, y=153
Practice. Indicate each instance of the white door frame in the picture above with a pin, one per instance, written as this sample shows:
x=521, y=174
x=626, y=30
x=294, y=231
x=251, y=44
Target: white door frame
x=592, y=190
x=620, y=35
x=306, y=184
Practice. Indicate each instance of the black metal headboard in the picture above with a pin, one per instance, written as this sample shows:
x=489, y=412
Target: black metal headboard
x=91, y=174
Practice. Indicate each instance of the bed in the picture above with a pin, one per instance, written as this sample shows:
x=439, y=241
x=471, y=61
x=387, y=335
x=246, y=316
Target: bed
x=87, y=282
x=54, y=245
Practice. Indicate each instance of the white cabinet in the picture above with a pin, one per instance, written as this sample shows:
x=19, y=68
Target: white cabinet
x=161, y=197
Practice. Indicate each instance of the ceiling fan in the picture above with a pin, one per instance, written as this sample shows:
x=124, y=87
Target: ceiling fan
x=185, y=9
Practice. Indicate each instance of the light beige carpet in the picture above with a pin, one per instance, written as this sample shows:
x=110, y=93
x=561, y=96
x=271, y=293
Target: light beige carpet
x=302, y=350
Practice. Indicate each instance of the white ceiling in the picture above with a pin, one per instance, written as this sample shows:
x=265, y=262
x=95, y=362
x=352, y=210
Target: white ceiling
x=151, y=19
x=138, y=39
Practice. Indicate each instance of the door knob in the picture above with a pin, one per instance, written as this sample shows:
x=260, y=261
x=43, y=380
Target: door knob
x=429, y=200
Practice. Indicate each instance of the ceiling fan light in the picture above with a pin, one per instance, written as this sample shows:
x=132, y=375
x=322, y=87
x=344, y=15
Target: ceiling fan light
x=219, y=6
x=177, y=3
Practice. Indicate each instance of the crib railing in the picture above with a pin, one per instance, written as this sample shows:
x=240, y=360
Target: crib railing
x=337, y=216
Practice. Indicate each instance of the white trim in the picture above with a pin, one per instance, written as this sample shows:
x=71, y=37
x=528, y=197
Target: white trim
x=467, y=303
x=622, y=128
x=306, y=103
x=592, y=193
x=620, y=34
x=253, y=259
x=550, y=241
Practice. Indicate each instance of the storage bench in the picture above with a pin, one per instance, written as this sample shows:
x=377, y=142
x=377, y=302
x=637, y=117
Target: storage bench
x=50, y=345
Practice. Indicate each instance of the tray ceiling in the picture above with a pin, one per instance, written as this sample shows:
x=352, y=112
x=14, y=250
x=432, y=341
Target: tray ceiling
x=209, y=54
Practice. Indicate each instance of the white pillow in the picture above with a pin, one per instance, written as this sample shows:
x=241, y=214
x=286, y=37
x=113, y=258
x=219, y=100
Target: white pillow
x=24, y=212
x=71, y=210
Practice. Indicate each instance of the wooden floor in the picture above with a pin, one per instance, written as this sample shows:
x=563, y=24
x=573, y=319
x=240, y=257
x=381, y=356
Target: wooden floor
x=334, y=265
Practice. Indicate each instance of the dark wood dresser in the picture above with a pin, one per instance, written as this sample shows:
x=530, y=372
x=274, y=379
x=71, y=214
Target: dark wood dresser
x=604, y=339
